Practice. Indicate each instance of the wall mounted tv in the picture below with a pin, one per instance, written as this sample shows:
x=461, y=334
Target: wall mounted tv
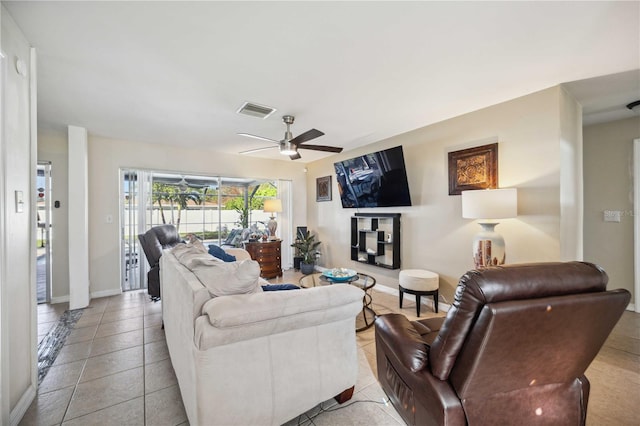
x=378, y=179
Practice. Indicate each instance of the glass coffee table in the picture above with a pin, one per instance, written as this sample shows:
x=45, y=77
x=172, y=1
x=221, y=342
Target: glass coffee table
x=365, y=319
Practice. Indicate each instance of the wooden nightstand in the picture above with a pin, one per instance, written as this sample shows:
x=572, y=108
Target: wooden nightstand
x=267, y=254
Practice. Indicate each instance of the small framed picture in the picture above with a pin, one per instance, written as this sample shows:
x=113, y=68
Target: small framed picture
x=323, y=188
x=473, y=168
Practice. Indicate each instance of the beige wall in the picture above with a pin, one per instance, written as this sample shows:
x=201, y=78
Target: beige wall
x=608, y=185
x=18, y=286
x=434, y=234
x=106, y=157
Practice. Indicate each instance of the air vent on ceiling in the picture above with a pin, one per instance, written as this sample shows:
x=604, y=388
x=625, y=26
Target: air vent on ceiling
x=256, y=110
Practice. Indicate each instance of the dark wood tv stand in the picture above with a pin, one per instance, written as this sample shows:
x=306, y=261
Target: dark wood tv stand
x=375, y=239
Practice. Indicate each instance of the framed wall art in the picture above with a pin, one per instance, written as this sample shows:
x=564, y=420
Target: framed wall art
x=473, y=168
x=323, y=188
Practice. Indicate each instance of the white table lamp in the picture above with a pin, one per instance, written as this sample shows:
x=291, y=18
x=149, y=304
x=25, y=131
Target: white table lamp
x=487, y=206
x=272, y=206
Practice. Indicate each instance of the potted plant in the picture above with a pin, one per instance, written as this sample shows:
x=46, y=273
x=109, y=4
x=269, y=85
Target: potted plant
x=306, y=246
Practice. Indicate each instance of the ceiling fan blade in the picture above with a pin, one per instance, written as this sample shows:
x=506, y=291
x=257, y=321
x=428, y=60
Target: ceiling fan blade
x=306, y=136
x=295, y=156
x=321, y=148
x=249, y=151
x=262, y=138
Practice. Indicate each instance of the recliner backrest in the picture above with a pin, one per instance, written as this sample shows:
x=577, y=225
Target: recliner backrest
x=479, y=288
x=535, y=342
x=157, y=239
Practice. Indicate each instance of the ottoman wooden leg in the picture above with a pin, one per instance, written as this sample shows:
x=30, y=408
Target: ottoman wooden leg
x=418, y=304
x=401, y=294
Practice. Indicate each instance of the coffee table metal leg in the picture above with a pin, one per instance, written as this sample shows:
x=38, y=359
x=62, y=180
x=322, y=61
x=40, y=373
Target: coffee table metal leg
x=368, y=314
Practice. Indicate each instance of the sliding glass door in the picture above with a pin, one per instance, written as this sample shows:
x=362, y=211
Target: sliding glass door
x=218, y=210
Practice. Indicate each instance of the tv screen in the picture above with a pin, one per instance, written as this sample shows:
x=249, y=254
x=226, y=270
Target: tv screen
x=378, y=179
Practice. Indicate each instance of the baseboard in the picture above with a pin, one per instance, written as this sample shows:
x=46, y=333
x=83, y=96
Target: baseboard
x=105, y=293
x=22, y=406
x=61, y=299
x=93, y=295
x=631, y=307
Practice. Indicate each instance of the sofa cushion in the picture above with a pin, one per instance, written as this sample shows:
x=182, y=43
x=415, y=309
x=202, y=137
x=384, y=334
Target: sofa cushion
x=243, y=317
x=227, y=278
x=194, y=241
x=219, y=252
x=187, y=253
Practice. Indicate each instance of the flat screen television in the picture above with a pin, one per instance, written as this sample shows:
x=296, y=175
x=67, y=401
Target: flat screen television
x=378, y=179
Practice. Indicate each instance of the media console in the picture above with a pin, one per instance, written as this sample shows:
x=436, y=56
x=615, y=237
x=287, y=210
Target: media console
x=375, y=239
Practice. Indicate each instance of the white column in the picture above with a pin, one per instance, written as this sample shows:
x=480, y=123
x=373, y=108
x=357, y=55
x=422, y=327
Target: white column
x=78, y=219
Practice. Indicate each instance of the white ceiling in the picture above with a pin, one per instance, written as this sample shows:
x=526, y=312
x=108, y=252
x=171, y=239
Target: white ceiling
x=176, y=72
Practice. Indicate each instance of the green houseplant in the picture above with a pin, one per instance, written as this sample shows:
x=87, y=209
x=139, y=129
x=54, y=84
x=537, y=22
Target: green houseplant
x=307, y=247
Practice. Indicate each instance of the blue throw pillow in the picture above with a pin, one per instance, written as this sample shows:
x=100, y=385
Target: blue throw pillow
x=218, y=252
x=276, y=287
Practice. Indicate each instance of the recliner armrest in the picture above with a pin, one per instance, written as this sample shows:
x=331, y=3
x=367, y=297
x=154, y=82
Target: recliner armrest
x=403, y=340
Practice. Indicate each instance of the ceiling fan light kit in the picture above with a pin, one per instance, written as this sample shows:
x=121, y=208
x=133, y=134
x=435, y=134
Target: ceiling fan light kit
x=290, y=145
x=287, y=148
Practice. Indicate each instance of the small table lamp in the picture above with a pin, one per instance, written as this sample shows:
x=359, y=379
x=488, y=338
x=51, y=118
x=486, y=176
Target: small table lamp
x=272, y=206
x=488, y=205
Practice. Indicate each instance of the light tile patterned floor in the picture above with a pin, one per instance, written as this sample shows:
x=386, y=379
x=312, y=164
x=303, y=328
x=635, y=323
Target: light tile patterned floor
x=115, y=370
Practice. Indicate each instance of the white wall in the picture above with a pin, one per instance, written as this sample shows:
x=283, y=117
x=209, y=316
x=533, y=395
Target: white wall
x=434, y=234
x=107, y=156
x=18, y=286
x=608, y=185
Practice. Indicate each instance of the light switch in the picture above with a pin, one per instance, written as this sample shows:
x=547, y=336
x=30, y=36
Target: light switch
x=612, y=215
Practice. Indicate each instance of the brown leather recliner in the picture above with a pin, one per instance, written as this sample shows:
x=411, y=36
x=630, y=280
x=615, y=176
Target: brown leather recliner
x=512, y=349
x=153, y=242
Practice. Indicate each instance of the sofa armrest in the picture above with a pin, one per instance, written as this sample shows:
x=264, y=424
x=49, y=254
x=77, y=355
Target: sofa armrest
x=403, y=341
x=229, y=319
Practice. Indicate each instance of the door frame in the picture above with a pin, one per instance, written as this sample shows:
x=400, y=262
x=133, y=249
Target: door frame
x=4, y=324
x=47, y=229
x=636, y=224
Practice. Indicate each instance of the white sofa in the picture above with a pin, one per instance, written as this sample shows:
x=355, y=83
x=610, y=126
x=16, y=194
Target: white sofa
x=261, y=358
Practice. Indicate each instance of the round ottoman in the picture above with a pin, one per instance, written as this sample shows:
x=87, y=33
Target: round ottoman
x=421, y=283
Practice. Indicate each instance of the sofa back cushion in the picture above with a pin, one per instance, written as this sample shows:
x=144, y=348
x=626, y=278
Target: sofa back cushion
x=220, y=278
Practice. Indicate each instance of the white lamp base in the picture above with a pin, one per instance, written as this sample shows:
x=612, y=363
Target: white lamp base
x=488, y=247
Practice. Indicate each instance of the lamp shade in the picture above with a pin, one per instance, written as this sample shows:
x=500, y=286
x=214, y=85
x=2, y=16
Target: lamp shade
x=490, y=204
x=272, y=206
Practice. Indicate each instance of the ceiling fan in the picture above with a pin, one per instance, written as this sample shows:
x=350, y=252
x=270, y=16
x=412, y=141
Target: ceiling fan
x=184, y=186
x=290, y=145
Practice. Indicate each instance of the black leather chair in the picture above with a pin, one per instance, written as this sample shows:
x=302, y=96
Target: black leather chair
x=153, y=242
x=512, y=349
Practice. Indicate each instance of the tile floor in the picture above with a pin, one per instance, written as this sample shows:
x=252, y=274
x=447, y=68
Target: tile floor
x=114, y=369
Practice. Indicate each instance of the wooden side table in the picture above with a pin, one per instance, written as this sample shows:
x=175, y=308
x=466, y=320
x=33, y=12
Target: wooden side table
x=267, y=254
